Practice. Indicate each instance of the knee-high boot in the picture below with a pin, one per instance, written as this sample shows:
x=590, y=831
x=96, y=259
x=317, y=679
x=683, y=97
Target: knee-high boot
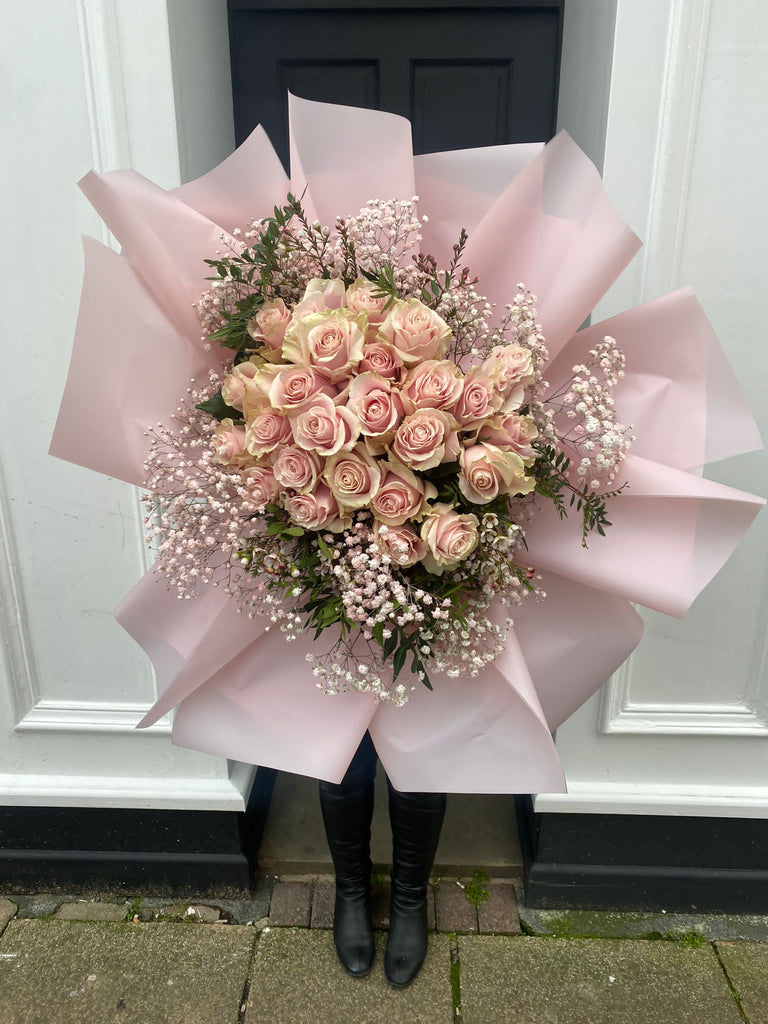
x=347, y=811
x=417, y=819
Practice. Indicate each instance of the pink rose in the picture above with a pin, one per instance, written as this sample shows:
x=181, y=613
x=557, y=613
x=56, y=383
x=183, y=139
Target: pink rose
x=434, y=384
x=332, y=341
x=297, y=469
x=269, y=326
x=229, y=443
x=325, y=428
x=321, y=293
x=511, y=369
x=487, y=471
x=450, y=538
x=381, y=358
x=362, y=298
x=293, y=386
x=415, y=331
x=262, y=485
x=511, y=431
x=401, y=495
x=479, y=400
x=426, y=438
x=403, y=545
x=353, y=477
x=266, y=431
x=377, y=407
x=313, y=511
x=235, y=383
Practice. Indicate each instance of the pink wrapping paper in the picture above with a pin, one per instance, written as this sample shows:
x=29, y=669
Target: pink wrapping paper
x=537, y=215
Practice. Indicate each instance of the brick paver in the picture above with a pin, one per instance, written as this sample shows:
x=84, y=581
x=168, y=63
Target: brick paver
x=454, y=911
x=498, y=915
x=290, y=906
x=323, y=899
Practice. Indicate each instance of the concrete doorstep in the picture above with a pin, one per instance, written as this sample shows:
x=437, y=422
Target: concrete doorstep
x=84, y=962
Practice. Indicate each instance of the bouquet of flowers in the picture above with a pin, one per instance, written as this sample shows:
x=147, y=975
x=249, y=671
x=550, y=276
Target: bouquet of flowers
x=369, y=460
x=386, y=445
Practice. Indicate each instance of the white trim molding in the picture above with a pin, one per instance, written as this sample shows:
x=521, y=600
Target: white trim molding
x=707, y=801
x=676, y=141
x=225, y=794
x=17, y=666
x=89, y=717
x=620, y=713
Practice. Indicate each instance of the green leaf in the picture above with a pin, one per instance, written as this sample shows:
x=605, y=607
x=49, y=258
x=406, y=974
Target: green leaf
x=399, y=660
x=389, y=645
x=324, y=547
x=219, y=409
x=293, y=531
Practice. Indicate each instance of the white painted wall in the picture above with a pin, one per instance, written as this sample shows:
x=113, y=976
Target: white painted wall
x=87, y=83
x=585, y=73
x=683, y=727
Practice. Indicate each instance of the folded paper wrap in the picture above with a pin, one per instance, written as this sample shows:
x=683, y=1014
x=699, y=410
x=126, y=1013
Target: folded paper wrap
x=538, y=215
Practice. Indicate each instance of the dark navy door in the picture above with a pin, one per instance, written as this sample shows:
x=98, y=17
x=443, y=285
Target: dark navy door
x=468, y=74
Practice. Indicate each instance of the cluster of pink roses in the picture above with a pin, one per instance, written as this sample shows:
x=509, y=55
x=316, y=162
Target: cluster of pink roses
x=348, y=404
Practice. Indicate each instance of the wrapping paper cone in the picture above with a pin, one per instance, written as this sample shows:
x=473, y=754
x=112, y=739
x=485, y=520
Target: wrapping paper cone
x=535, y=214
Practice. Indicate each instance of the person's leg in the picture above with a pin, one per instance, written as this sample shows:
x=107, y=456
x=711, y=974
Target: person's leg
x=347, y=811
x=417, y=819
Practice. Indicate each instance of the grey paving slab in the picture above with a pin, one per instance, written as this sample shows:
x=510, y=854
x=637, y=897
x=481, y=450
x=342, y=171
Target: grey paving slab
x=82, y=972
x=7, y=911
x=250, y=910
x=87, y=911
x=297, y=979
x=636, y=924
x=529, y=980
x=40, y=904
x=747, y=967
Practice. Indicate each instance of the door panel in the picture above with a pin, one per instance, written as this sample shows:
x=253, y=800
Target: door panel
x=463, y=76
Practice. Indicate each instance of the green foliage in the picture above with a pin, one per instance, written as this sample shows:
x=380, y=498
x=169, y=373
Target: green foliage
x=255, y=270
x=218, y=408
x=133, y=908
x=553, y=482
x=476, y=891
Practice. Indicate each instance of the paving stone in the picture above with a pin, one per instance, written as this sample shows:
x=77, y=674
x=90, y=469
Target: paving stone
x=529, y=980
x=638, y=924
x=91, y=912
x=41, y=904
x=498, y=915
x=250, y=910
x=323, y=899
x=7, y=911
x=82, y=972
x=296, y=978
x=747, y=966
x=454, y=911
x=290, y=905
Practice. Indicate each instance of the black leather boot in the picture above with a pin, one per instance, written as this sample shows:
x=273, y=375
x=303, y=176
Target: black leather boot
x=417, y=819
x=347, y=811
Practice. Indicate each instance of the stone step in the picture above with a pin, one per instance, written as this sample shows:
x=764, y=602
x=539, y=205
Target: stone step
x=480, y=831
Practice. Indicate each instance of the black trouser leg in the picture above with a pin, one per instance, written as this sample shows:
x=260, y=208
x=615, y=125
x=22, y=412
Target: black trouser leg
x=347, y=811
x=417, y=819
